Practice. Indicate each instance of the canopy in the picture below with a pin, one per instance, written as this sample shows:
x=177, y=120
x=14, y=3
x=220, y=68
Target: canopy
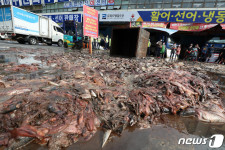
x=169, y=31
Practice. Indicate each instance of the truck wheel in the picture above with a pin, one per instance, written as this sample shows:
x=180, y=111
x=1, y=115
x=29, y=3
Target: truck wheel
x=60, y=43
x=32, y=41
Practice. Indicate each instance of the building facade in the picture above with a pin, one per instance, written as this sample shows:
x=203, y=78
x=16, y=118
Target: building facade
x=53, y=6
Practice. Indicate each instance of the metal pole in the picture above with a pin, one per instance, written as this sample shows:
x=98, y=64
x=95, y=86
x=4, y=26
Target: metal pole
x=90, y=45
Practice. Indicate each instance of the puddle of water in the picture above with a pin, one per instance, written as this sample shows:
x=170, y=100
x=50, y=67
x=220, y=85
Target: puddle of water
x=28, y=59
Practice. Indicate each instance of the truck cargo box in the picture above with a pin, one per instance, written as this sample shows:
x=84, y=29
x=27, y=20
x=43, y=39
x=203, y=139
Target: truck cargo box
x=129, y=42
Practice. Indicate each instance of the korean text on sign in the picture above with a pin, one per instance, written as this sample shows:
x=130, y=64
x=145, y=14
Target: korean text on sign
x=90, y=21
x=184, y=16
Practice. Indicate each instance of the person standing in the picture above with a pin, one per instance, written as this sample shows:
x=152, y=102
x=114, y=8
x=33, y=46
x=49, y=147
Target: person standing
x=173, y=51
x=162, y=52
x=188, y=52
x=194, y=52
x=222, y=56
x=109, y=42
x=159, y=46
x=149, y=45
x=93, y=43
x=210, y=52
x=106, y=42
x=98, y=42
x=178, y=51
x=204, y=52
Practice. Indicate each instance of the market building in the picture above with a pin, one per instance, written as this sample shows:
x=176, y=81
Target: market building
x=185, y=21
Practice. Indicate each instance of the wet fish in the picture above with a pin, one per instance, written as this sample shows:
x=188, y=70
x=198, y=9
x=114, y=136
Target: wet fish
x=188, y=112
x=16, y=92
x=106, y=136
x=210, y=116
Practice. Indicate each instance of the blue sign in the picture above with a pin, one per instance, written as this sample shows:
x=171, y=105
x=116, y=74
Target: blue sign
x=103, y=2
x=16, y=3
x=36, y=2
x=6, y=2
x=65, y=17
x=25, y=2
x=97, y=2
x=189, y=16
x=63, y=0
x=49, y=1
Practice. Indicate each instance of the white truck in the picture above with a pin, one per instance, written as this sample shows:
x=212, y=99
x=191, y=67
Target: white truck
x=24, y=26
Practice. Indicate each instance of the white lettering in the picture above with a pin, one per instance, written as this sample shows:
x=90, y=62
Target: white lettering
x=216, y=141
x=181, y=140
x=187, y=141
x=197, y=141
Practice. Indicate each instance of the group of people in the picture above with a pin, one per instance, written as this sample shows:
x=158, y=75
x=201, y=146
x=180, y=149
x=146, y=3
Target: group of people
x=105, y=42
x=161, y=50
x=195, y=53
x=192, y=53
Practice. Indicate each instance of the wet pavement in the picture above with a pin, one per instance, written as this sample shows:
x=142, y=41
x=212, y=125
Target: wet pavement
x=163, y=135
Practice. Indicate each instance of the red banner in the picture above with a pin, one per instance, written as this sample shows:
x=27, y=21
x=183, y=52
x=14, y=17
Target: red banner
x=154, y=24
x=191, y=26
x=90, y=20
x=223, y=26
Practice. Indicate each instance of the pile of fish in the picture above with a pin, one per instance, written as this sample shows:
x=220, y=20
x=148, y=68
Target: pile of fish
x=79, y=93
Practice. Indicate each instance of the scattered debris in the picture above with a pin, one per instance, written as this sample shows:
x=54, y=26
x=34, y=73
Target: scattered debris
x=80, y=93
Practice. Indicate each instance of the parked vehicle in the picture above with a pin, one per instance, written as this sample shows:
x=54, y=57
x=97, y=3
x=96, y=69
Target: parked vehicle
x=24, y=26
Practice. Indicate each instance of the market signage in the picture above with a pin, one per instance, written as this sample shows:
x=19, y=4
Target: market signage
x=148, y=24
x=29, y=2
x=191, y=26
x=119, y=16
x=181, y=16
x=154, y=25
x=36, y=2
x=90, y=22
x=65, y=17
x=80, y=3
x=25, y=2
x=189, y=16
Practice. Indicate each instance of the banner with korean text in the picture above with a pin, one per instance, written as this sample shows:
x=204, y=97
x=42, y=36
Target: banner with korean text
x=90, y=22
x=184, y=16
x=191, y=26
x=154, y=24
x=64, y=17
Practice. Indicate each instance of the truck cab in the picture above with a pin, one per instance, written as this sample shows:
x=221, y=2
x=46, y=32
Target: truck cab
x=57, y=34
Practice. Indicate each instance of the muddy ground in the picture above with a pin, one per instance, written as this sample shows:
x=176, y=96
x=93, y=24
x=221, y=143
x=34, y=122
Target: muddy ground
x=58, y=98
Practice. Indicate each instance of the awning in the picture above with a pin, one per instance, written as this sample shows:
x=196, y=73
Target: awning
x=169, y=31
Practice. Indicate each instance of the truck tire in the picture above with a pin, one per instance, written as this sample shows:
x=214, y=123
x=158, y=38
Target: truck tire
x=32, y=41
x=60, y=43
